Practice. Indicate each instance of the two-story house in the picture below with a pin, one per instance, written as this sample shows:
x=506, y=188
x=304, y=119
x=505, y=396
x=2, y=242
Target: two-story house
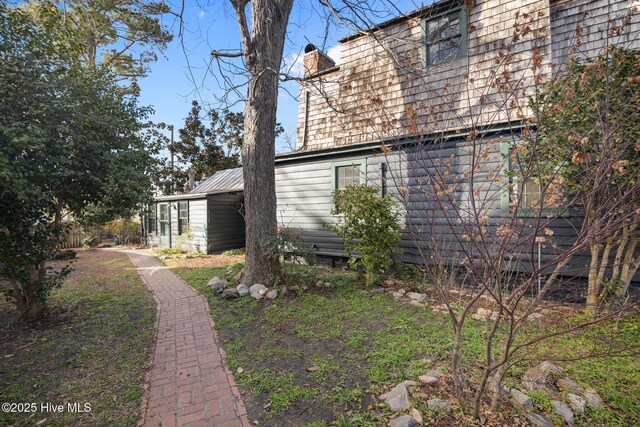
x=425, y=81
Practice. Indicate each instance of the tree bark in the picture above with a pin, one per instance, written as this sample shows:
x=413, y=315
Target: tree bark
x=593, y=288
x=459, y=379
x=263, y=49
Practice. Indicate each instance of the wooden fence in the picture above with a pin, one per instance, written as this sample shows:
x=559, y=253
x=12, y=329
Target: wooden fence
x=76, y=236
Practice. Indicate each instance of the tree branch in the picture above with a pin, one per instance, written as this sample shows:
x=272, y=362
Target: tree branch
x=220, y=54
x=240, y=6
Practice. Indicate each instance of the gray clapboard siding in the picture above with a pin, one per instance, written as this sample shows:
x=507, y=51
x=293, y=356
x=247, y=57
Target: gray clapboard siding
x=225, y=223
x=409, y=166
x=193, y=240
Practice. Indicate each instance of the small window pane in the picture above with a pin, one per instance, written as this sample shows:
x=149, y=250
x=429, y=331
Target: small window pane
x=183, y=210
x=532, y=194
x=164, y=213
x=444, y=51
x=443, y=28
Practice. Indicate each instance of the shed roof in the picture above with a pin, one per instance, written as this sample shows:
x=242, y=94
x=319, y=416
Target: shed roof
x=225, y=181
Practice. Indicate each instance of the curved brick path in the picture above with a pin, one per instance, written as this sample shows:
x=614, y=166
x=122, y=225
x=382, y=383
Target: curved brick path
x=189, y=384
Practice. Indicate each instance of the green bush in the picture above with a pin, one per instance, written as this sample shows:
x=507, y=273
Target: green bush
x=287, y=244
x=233, y=252
x=90, y=242
x=369, y=226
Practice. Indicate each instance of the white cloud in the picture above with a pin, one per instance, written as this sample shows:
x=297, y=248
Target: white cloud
x=334, y=53
x=293, y=64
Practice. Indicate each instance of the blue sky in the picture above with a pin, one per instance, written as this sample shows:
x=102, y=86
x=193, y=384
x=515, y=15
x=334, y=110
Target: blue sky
x=186, y=71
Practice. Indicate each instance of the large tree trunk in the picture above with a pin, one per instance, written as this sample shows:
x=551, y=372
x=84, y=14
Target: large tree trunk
x=263, y=55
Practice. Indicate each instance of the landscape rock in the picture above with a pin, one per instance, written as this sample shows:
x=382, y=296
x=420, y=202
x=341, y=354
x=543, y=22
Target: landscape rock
x=538, y=420
x=319, y=284
x=426, y=379
x=396, y=295
x=439, y=405
x=402, y=291
x=577, y=403
x=520, y=399
x=237, y=277
x=242, y=289
x=417, y=297
x=398, y=398
x=217, y=284
x=273, y=294
x=563, y=410
x=258, y=291
x=403, y=421
x=230, y=293
x=571, y=385
x=535, y=316
x=484, y=312
x=536, y=378
x=478, y=317
x=416, y=415
x=409, y=383
x=436, y=373
x=593, y=399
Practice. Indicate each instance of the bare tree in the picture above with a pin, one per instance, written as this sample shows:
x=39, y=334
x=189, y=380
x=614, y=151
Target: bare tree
x=263, y=38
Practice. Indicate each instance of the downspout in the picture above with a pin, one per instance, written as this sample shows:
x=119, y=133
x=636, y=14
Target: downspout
x=306, y=120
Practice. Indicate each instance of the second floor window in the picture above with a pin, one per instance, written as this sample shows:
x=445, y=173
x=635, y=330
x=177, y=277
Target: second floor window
x=446, y=38
x=183, y=217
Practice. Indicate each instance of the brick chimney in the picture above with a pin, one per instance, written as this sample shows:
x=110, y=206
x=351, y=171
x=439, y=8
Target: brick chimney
x=315, y=61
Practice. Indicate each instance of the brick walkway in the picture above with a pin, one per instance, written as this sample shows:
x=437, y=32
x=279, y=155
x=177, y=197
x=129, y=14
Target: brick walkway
x=189, y=384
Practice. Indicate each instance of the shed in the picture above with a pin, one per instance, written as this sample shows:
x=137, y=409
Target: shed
x=206, y=219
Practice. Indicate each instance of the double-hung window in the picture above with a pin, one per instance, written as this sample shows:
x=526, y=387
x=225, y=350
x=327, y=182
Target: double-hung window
x=528, y=195
x=152, y=220
x=183, y=217
x=348, y=172
x=446, y=37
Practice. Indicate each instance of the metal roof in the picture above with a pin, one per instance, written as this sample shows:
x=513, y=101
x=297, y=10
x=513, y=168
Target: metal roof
x=226, y=181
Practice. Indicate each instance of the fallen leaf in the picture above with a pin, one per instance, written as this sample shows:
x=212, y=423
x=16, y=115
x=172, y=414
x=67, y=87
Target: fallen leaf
x=240, y=370
x=313, y=368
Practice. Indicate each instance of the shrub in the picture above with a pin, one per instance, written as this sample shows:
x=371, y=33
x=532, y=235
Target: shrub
x=90, y=242
x=287, y=244
x=369, y=226
x=233, y=252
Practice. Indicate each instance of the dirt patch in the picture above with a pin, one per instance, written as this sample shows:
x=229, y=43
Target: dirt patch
x=92, y=346
x=208, y=261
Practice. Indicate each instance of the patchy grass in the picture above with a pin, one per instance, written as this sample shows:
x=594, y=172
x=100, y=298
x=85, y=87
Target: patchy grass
x=94, y=347
x=361, y=344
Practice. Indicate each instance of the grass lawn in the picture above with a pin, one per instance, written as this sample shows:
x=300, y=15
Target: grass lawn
x=94, y=347
x=361, y=344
